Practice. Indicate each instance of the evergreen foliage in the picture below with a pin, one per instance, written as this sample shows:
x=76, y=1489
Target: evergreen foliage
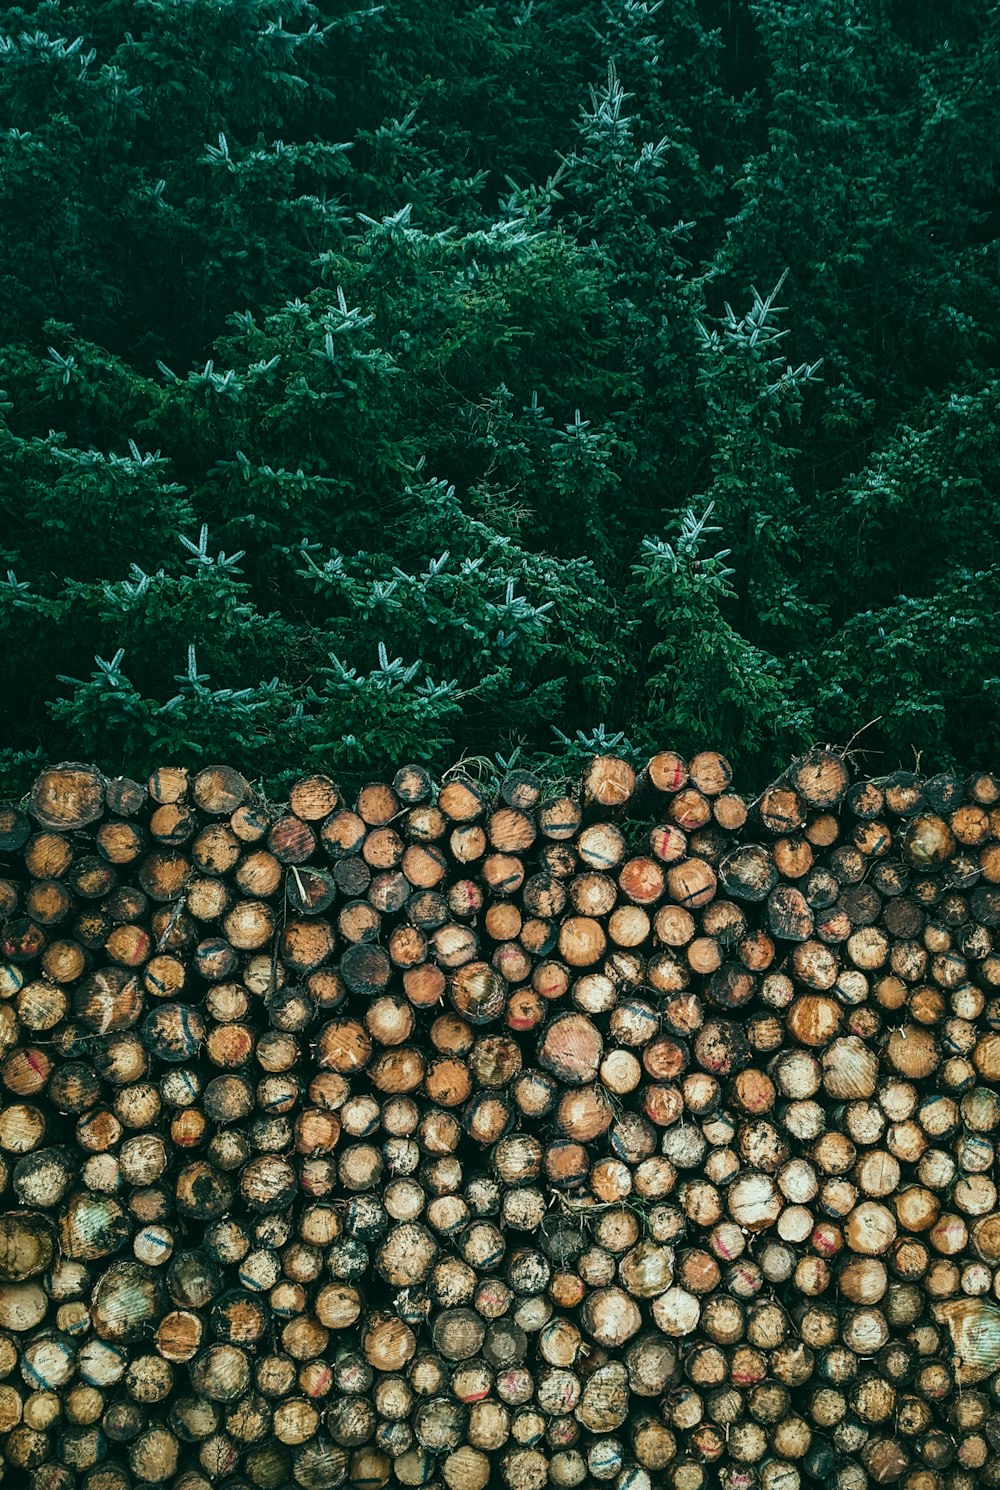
x=394, y=378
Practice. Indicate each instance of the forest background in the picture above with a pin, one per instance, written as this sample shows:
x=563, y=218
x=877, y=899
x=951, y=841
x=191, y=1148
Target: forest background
x=430, y=378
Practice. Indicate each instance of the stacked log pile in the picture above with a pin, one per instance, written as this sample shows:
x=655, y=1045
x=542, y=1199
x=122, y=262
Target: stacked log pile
x=635, y=1136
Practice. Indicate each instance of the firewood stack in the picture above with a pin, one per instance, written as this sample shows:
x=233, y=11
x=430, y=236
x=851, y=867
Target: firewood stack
x=639, y=1136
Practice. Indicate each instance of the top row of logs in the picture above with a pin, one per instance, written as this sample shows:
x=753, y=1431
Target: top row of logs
x=70, y=797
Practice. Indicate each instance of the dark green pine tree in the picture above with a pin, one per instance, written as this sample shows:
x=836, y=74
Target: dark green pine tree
x=388, y=380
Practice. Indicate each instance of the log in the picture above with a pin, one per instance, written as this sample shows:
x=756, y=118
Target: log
x=66, y=798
